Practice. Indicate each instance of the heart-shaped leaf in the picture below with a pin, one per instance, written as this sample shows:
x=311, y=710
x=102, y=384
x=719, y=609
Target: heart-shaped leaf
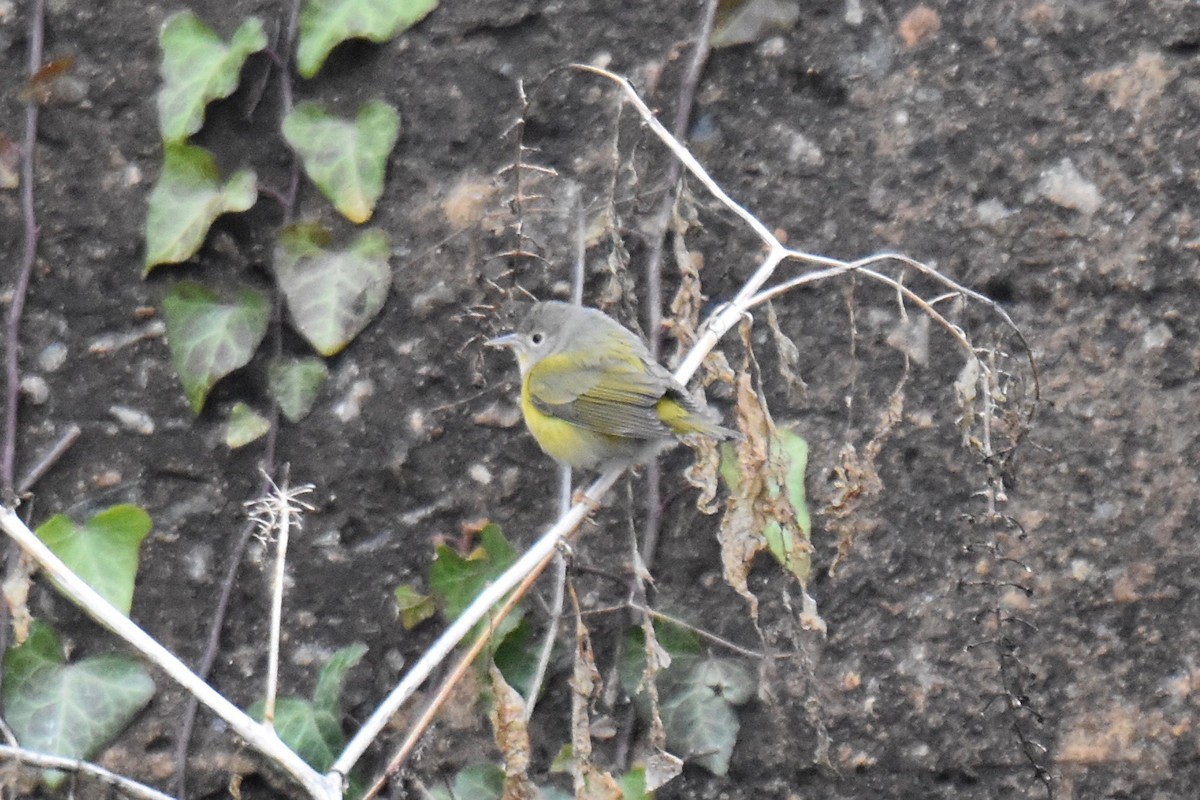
x=701, y=727
x=245, y=426
x=294, y=384
x=103, y=551
x=455, y=580
x=345, y=158
x=69, y=710
x=313, y=728
x=210, y=337
x=324, y=24
x=197, y=68
x=331, y=294
x=189, y=195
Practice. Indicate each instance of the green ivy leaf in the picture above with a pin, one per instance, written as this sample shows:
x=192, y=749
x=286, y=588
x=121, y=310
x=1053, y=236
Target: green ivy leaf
x=188, y=197
x=697, y=695
x=482, y=782
x=633, y=785
x=327, y=695
x=313, y=728
x=245, y=426
x=345, y=158
x=701, y=727
x=782, y=542
x=210, y=337
x=69, y=710
x=197, y=68
x=682, y=645
x=455, y=580
x=331, y=294
x=103, y=551
x=516, y=654
x=294, y=383
x=726, y=678
x=324, y=24
x=414, y=606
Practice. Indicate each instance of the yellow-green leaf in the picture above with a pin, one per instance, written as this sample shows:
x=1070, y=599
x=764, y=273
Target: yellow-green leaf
x=209, y=336
x=331, y=294
x=245, y=426
x=103, y=551
x=188, y=197
x=345, y=158
x=294, y=383
x=197, y=68
x=324, y=24
x=414, y=606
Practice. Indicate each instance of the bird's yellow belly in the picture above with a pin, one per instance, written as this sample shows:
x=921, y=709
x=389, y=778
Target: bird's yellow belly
x=576, y=446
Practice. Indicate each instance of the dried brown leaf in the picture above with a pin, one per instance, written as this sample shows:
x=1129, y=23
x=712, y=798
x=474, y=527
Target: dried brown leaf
x=741, y=532
x=716, y=368
x=856, y=478
x=507, y=715
x=591, y=783
x=789, y=356
x=16, y=595
x=656, y=659
x=40, y=89
x=966, y=389
x=688, y=301
x=704, y=472
x=585, y=683
x=911, y=337
x=661, y=768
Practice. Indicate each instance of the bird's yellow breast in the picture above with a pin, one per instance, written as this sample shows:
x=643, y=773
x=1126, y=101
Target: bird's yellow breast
x=572, y=444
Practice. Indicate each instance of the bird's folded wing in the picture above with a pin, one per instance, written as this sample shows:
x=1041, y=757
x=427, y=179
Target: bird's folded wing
x=613, y=396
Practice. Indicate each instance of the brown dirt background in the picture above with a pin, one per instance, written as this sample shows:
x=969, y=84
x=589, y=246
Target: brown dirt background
x=843, y=135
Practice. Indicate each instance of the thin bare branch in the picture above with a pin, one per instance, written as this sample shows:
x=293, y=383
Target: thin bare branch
x=12, y=326
x=125, y=785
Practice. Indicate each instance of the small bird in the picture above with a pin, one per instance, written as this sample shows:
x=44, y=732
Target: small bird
x=592, y=395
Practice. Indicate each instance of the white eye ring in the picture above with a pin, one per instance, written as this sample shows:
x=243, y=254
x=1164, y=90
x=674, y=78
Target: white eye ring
x=537, y=338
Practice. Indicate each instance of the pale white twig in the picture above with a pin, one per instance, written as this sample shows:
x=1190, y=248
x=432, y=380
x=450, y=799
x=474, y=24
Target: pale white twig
x=557, y=600
x=125, y=785
x=258, y=736
x=275, y=514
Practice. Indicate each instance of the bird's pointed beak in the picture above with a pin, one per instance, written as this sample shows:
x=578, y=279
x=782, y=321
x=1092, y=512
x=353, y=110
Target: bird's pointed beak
x=507, y=340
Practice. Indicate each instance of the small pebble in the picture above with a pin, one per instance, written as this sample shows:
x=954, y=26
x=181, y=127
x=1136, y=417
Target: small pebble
x=52, y=357
x=35, y=389
x=197, y=563
x=107, y=479
x=132, y=419
x=992, y=212
x=350, y=406
x=1064, y=186
x=480, y=474
x=498, y=415
x=854, y=13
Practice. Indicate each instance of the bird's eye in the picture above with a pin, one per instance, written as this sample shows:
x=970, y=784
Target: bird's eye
x=537, y=338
